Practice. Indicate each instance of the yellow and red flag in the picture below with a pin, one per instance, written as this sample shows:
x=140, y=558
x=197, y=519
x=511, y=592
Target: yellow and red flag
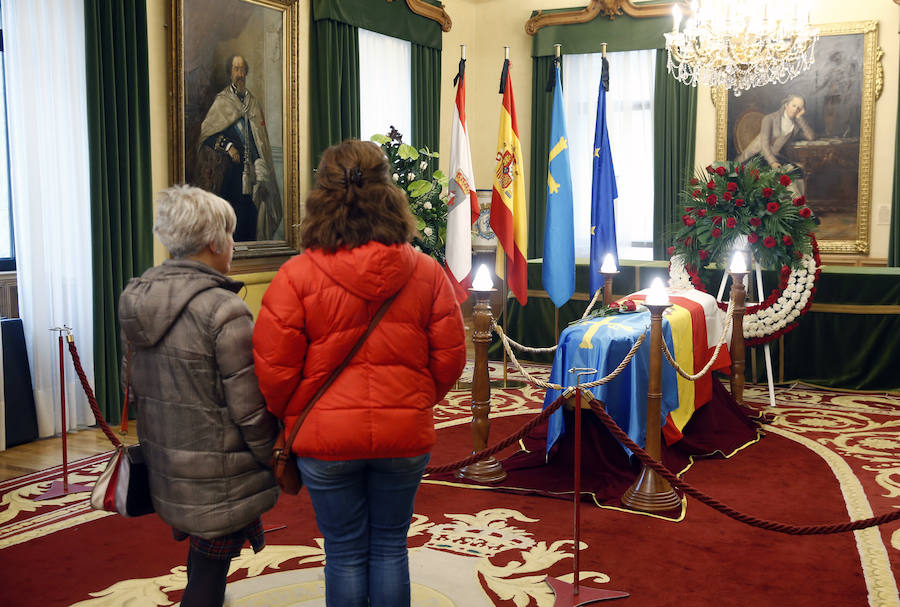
x=508, y=207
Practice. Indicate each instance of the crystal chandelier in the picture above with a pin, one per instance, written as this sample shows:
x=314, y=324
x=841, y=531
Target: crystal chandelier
x=740, y=44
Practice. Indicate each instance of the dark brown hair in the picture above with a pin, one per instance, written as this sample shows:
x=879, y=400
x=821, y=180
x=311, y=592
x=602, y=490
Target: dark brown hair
x=355, y=201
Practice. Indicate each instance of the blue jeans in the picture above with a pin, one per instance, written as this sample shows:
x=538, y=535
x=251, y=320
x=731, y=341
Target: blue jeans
x=363, y=509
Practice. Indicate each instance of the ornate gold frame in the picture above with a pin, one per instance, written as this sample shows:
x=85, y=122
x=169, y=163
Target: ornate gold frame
x=872, y=84
x=259, y=255
x=607, y=8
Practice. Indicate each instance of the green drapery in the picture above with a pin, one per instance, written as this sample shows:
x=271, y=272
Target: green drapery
x=389, y=18
x=541, y=116
x=118, y=93
x=334, y=84
x=894, y=241
x=674, y=136
x=426, y=97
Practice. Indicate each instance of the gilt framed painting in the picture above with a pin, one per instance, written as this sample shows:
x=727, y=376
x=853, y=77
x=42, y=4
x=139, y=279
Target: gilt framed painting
x=234, y=117
x=819, y=127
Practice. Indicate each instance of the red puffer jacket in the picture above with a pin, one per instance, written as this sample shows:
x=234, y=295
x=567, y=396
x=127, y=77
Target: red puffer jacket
x=312, y=314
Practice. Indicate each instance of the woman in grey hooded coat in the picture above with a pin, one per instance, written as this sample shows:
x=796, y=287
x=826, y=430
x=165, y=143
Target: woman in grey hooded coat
x=202, y=422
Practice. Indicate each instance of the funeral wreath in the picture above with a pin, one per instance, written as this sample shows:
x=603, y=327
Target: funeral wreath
x=732, y=205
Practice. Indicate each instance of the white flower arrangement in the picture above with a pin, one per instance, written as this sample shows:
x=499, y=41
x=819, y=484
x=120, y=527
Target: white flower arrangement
x=780, y=312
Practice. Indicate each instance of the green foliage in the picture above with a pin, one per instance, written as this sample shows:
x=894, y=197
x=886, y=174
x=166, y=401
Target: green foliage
x=727, y=200
x=411, y=171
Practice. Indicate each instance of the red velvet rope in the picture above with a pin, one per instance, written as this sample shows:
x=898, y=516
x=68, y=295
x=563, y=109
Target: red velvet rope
x=727, y=510
x=76, y=360
x=506, y=442
x=616, y=431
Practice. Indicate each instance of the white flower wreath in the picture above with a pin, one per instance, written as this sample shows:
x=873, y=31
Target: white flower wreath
x=777, y=314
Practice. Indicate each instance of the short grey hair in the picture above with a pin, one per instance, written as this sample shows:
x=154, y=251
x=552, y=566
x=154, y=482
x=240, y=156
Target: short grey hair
x=188, y=219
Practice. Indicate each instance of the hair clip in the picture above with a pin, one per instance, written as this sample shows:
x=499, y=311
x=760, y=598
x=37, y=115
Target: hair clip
x=355, y=176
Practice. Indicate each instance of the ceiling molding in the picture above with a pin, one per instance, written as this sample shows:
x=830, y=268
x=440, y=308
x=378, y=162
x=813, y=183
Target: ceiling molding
x=607, y=8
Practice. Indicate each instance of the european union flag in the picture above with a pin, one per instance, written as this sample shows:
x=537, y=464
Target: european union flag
x=559, y=225
x=603, y=191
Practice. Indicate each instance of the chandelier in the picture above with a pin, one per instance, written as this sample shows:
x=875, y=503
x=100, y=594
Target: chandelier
x=740, y=44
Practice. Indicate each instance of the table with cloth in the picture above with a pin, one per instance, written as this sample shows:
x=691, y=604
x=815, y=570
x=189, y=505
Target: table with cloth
x=691, y=329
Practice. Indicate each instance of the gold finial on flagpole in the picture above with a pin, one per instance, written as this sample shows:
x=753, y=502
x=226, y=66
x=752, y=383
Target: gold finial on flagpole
x=603, y=49
x=462, y=52
x=506, y=51
x=557, y=47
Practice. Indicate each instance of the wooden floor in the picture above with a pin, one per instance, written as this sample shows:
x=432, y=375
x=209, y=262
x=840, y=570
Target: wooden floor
x=46, y=452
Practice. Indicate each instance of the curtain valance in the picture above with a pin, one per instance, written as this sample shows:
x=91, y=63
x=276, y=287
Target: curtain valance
x=388, y=18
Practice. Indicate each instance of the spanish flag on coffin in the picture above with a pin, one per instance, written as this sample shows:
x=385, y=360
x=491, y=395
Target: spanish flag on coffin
x=694, y=346
x=603, y=343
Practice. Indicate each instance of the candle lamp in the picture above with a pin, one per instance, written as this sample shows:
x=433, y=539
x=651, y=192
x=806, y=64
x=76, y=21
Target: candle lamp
x=608, y=269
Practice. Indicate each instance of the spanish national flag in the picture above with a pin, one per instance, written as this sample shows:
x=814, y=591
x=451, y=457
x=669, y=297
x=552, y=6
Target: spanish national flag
x=508, y=214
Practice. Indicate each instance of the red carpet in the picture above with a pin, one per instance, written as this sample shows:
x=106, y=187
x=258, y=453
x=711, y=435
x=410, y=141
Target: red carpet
x=826, y=453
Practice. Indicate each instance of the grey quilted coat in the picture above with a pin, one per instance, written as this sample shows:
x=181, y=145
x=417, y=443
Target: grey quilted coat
x=202, y=421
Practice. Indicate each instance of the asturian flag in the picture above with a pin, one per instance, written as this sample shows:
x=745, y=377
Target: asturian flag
x=558, y=266
x=508, y=207
x=603, y=191
x=462, y=205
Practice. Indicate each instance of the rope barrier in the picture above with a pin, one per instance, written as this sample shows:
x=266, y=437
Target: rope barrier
x=523, y=348
x=89, y=392
x=610, y=425
x=597, y=382
x=506, y=442
x=715, y=504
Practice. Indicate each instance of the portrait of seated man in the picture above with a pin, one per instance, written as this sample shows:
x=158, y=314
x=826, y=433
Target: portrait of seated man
x=775, y=131
x=234, y=159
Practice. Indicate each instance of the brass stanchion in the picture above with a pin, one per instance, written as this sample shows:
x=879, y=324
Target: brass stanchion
x=651, y=492
x=738, y=350
x=489, y=469
x=61, y=488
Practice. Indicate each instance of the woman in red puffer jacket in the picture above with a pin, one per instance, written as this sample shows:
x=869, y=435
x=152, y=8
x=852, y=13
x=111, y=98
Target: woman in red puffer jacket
x=365, y=443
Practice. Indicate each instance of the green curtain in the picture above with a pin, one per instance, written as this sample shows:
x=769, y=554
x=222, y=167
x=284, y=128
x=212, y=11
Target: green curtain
x=426, y=97
x=541, y=116
x=674, y=138
x=334, y=84
x=118, y=93
x=894, y=242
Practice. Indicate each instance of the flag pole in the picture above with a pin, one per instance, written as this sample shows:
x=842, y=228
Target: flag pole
x=505, y=273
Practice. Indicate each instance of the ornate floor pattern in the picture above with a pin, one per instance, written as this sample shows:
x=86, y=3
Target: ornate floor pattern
x=498, y=555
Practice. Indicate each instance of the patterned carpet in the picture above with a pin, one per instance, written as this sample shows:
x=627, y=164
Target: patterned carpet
x=483, y=548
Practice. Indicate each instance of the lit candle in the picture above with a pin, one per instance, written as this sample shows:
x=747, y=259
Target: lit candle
x=482, y=280
x=657, y=295
x=676, y=17
x=609, y=265
x=738, y=263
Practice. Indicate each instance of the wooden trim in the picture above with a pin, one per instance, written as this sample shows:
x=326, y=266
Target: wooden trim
x=607, y=8
x=430, y=11
x=854, y=309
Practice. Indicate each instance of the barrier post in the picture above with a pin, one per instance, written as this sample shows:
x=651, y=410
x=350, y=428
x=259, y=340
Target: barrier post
x=61, y=488
x=651, y=492
x=738, y=271
x=489, y=469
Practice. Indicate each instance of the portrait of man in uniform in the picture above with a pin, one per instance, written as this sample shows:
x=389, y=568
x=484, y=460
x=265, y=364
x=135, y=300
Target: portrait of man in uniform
x=234, y=110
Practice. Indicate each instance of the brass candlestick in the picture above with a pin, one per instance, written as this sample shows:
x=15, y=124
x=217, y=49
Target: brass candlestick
x=489, y=469
x=738, y=350
x=651, y=492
